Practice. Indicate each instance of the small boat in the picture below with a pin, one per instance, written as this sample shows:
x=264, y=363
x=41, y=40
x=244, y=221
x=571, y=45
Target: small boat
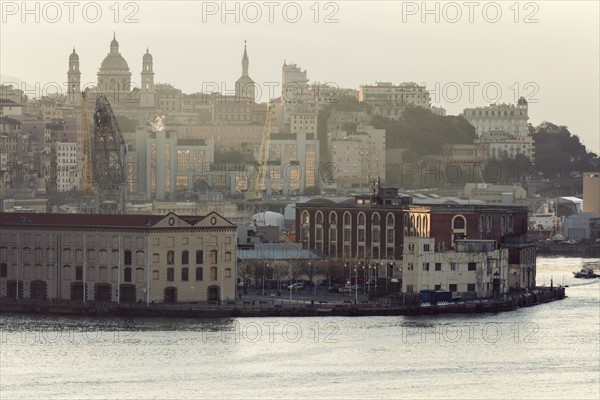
x=586, y=273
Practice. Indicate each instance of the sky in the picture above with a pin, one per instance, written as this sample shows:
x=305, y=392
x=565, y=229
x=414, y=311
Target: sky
x=468, y=54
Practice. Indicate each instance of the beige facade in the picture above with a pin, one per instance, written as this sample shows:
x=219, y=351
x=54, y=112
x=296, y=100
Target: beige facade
x=358, y=157
x=467, y=271
x=118, y=258
x=406, y=93
x=495, y=194
x=509, y=118
x=591, y=192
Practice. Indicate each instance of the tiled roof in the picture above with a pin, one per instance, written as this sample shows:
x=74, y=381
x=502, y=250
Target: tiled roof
x=97, y=220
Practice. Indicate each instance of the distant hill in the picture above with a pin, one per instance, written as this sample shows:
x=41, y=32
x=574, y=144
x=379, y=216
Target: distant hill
x=558, y=152
x=424, y=132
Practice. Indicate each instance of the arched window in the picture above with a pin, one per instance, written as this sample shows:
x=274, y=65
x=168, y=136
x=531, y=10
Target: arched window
x=425, y=226
x=319, y=231
x=481, y=226
x=503, y=225
x=375, y=235
x=305, y=228
x=412, y=226
x=510, y=223
x=319, y=218
x=458, y=222
x=333, y=237
x=459, y=228
x=347, y=234
x=361, y=227
x=406, y=225
x=488, y=225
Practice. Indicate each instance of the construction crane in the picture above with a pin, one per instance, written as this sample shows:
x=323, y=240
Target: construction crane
x=257, y=182
x=110, y=157
x=88, y=203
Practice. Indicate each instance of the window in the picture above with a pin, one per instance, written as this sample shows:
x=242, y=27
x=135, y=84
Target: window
x=170, y=257
x=470, y=287
x=453, y=287
x=227, y=272
x=185, y=257
x=213, y=273
x=426, y=247
x=3, y=270
x=458, y=222
x=170, y=274
x=472, y=266
x=127, y=257
x=79, y=273
x=199, y=257
x=127, y=275
x=453, y=266
x=426, y=266
x=409, y=288
x=438, y=287
x=184, y=274
x=438, y=266
x=213, y=256
x=198, y=273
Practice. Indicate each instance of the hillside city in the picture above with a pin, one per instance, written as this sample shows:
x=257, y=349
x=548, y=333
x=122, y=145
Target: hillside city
x=181, y=197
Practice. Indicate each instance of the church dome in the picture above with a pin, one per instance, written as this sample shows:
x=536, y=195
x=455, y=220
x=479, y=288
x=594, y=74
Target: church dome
x=74, y=57
x=147, y=57
x=114, y=62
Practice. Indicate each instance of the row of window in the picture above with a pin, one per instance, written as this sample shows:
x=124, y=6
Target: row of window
x=128, y=273
x=452, y=287
x=438, y=266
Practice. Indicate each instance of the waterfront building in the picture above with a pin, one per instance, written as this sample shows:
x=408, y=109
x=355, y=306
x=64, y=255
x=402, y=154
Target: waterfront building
x=468, y=270
x=374, y=228
x=119, y=258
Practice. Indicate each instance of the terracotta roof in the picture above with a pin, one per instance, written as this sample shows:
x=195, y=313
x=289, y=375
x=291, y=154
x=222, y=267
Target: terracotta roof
x=53, y=219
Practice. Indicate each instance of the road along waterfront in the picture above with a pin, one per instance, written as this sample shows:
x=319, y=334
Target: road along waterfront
x=549, y=351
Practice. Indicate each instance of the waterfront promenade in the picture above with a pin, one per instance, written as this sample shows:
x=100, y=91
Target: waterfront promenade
x=270, y=306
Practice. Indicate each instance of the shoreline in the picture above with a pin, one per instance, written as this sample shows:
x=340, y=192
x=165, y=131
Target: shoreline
x=264, y=309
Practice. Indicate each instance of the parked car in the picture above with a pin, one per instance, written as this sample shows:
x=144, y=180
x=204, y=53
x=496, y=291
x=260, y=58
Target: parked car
x=296, y=286
x=345, y=289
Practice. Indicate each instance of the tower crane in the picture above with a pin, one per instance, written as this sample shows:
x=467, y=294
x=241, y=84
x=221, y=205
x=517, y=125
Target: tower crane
x=257, y=181
x=88, y=205
x=110, y=152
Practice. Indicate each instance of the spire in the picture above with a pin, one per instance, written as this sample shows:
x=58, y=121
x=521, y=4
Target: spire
x=114, y=45
x=245, y=61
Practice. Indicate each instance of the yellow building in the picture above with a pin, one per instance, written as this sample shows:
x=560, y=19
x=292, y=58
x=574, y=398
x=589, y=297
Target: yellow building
x=118, y=258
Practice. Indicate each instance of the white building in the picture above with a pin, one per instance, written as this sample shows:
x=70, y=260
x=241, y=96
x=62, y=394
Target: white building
x=467, y=271
x=293, y=164
x=67, y=167
x=358, y=157
x=167, y=165
x=304, y=120
x=406, y=93
x=501, y=144
x=509, y=118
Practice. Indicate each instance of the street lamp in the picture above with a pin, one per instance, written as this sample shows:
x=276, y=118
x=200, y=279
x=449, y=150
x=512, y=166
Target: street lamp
x=263, y=279
x=355, y=286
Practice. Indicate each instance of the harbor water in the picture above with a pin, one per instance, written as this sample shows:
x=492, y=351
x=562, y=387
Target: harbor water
x=547, y=351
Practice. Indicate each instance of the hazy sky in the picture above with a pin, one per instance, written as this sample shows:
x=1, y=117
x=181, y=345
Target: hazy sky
x=547, y=51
